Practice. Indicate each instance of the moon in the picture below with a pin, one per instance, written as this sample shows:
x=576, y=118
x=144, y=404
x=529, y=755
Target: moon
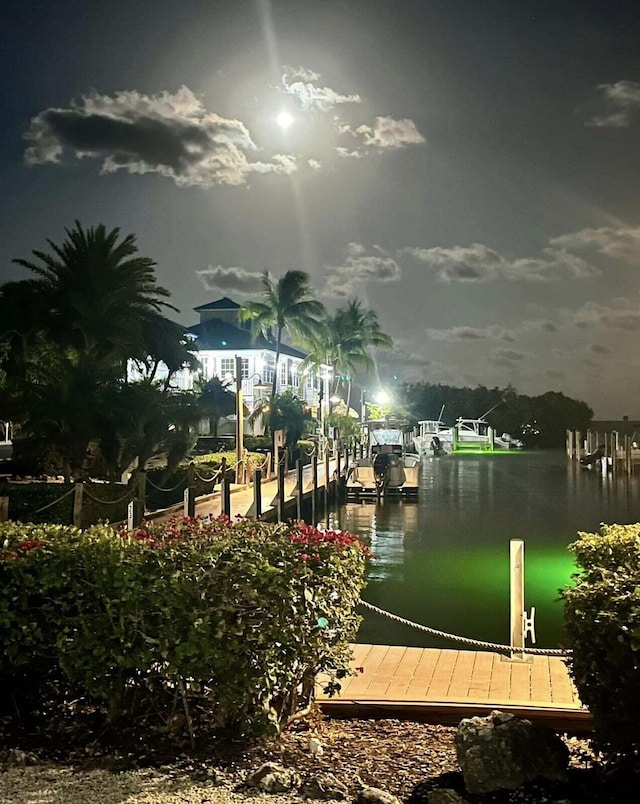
x=284, y=120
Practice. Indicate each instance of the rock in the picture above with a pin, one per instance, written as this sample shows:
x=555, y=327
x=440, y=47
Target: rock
x=324, y=786
x=502, y=752
x=373, y=795
x=273, y=778
x=444, y=795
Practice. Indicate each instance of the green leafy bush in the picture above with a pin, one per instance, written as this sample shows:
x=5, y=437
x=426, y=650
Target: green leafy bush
x=236, y=617
x=602, y=615
x=39, y=502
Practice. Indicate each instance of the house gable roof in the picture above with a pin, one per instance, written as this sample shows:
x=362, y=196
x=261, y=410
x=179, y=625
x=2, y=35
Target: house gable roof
x=225, y=303
x=217, y=335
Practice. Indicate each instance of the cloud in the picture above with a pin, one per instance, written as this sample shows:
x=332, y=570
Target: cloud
x=492, y=332
x=625, y=317
x=598, y=349
x=301, y=72
x=235, y=280
x=555, y=375
x=621, y=100
x=479, y=263
x=506, y=355
x=360, y=266
x=310, y=96
x=171, y=135
x=314, y=164
x=622, y=243
x=390, y=133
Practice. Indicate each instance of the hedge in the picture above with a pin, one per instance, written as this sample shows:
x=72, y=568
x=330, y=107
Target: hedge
x=602, y=616
x=238, y=617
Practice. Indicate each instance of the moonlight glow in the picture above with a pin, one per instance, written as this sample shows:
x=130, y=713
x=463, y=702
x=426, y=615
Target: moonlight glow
x=284, y=120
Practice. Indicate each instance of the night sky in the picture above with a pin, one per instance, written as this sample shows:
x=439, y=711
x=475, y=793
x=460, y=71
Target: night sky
x=467, y=168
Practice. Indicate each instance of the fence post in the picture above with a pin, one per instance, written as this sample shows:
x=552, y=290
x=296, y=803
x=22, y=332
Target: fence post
x=257, y=492
x=135, y=513
x=226, y=495
x=77, y=504
x=516, y=588
x=314, y=491
x=300, y=488
x=280, y=474
x=4, y=509
x=142, y=489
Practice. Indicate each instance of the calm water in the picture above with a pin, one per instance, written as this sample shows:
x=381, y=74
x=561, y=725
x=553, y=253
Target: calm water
x=444, y=560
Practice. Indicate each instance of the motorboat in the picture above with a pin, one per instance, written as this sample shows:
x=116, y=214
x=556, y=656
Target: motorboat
x=433, y=437
x=387, y=468
x=478, y=434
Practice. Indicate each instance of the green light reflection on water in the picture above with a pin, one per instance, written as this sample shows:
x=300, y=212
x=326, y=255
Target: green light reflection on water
x=444, y=561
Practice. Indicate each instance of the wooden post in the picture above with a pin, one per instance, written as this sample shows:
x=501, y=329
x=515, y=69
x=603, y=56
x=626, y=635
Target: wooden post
x=338, y=462
x=516, y=574
x=226, y=495
x=569, y=441
x=627, y=454
x=77, y=504
x=326, y=479
x=142, y=489
x=300, y=488
x=257, y=492
x=280, y=477
x=346, y=460
x=189, y=505
x=135, y=513
x=4, y=509
x=314, y=492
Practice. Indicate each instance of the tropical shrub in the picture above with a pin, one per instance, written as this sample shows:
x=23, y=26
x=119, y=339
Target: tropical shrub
x=233, y=619
x=602, y=615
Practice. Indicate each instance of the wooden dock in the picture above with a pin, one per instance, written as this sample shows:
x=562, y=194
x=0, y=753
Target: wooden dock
x=242, y=497
x=444, y=686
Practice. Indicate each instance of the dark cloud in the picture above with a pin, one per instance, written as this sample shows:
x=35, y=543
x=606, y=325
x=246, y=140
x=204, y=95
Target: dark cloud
x=360, y=266
x=232, y=280
x=471, y=334
x=480, y=263
x=172, y=135
x=599, y=349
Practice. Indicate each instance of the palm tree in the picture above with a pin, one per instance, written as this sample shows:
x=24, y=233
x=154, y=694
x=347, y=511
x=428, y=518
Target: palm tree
x=288, y=304
x=92, y=304
x=94, y=294
x=343, y=341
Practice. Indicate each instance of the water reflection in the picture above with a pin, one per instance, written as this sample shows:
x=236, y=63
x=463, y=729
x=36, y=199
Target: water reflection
x=443, y=561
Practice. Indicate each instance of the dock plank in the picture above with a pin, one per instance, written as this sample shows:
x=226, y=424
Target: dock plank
x=443, y=686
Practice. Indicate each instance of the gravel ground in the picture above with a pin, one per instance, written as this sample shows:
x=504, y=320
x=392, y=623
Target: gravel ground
x=401, y=757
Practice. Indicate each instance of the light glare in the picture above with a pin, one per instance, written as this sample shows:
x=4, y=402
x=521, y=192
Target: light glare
x=284, y=120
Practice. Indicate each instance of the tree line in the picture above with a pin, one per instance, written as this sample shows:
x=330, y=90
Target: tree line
x=539, y=421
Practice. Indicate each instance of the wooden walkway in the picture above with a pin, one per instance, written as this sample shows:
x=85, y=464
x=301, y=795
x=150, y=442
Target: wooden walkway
x=242, y=496
x=443, y=686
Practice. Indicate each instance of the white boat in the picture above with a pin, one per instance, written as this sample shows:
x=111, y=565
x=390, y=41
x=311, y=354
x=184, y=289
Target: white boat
x=434, y=437
x=478, y=434
x=387, y=469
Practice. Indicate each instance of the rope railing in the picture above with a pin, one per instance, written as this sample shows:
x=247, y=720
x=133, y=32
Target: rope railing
x=107, y=502
x=203, y=479
x=478, y=643
x=181, y=482
x=51, y=504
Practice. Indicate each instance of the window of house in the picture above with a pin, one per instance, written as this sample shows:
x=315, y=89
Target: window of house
x=227, y=366
x=283, y=372
x=269, y=368
x=245, y=368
